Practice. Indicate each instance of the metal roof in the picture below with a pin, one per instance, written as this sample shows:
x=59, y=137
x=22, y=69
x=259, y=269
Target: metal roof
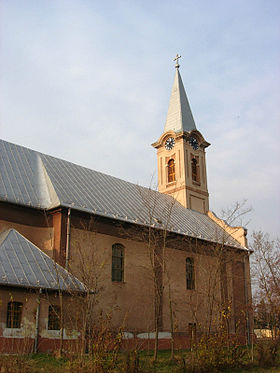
x=30, y=178
x=24, y=264
x=179, y=115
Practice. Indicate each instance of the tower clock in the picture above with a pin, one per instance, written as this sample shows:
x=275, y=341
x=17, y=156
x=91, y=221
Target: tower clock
x=181, y=153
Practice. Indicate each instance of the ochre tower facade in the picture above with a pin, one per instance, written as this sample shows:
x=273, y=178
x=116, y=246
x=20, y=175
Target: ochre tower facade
x=181, y=153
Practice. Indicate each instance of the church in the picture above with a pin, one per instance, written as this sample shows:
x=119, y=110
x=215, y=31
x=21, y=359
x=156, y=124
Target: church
x=159, y=263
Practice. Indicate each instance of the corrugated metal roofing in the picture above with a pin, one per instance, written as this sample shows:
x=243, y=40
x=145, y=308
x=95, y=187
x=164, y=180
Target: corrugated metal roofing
x=34, y=179
x=24, y=264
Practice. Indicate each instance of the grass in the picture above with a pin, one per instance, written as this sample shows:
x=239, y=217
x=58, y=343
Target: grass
x=254, y=370
x=126, y=363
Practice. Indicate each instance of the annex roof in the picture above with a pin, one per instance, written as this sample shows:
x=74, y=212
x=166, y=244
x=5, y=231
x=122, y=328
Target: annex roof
x=179, y=115
x=23, y=264
x=37, y=180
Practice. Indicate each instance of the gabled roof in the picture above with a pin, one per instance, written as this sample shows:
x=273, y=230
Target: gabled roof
x=29, y=178
x=179, y=115
x=22, y=264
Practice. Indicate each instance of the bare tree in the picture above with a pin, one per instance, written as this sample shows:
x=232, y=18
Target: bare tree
x=155, y=236
x=88, y=265
x=266, y=265
x=212, y=295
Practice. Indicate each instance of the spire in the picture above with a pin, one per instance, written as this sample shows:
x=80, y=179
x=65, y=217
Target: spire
x=179, y=115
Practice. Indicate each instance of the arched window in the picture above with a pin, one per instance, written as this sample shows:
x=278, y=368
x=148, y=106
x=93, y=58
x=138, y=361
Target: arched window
x=195, y=169
x=171, y=170
x=117, y=262
x=54, y=318
x=14, y=313
x=190, y=273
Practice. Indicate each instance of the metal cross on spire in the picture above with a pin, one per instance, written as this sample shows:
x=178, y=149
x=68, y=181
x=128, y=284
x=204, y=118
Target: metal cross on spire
x=176, y=59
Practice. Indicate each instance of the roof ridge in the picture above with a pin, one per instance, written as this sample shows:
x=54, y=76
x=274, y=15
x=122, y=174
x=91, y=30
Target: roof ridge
x=78, y=165
x=3, y=235
x=61, y=272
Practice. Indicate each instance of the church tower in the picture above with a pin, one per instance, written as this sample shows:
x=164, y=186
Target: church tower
x=181, y=152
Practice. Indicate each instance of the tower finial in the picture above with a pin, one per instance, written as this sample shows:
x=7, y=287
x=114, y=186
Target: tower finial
x=176, y=59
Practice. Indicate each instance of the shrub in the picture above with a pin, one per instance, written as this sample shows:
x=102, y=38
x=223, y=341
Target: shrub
x=16, y=364
x=213, y=353
x=267, y=352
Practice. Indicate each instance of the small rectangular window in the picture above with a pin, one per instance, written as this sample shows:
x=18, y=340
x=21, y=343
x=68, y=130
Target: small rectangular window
x=14, y=313
x=54, y=318
x=117, y=262
x=190, y=274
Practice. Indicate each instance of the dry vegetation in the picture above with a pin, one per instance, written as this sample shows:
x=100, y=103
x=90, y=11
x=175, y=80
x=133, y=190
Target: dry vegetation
x=208, y=355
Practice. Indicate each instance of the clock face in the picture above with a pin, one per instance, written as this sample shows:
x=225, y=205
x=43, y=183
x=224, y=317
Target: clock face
x=194, y=143
x=169, y=143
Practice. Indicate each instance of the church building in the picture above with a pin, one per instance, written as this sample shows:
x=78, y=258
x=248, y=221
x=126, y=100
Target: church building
x=157, y=262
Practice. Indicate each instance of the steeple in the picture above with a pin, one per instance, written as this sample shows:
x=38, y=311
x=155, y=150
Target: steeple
x=181, y=153
x=179, y=115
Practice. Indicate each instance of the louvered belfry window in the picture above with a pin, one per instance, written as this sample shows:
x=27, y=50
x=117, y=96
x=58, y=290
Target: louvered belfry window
x=171, y=170
x=14, y=313
x=190, y=273
x=117, y=262
x=195, y=169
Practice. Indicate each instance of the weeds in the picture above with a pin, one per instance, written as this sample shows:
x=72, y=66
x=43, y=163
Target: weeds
x=212, y=354
x=208, y=355
x=16, y=364
x=267, y=352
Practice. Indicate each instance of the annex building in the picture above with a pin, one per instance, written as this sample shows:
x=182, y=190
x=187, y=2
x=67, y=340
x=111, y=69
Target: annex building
x=155, y=261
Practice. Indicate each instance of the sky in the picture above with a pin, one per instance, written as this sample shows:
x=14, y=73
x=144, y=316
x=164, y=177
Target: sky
x=90, y=81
